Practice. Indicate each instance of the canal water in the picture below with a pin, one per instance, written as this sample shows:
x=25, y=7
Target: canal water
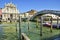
x=1, y=32
x=8, y=32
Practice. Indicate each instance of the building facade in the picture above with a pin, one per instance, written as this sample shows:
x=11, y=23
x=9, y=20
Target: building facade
x=51, y=15
x=29, y=13
x=10, y=12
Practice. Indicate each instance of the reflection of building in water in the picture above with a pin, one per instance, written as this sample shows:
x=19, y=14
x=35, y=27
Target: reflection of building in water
x=10, y=12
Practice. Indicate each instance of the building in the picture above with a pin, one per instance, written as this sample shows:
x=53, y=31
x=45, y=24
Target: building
x=0, y=14
x=10, y=12
x=51, y=15
x=22, y=15
x=29, y=13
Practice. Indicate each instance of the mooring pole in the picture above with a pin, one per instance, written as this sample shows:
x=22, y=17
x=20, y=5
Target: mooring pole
x=51, y=25
x=57, y=22
x=28, y=24
x=41, y=25
x=37, y=22
x=16, y=30
x=19, y=27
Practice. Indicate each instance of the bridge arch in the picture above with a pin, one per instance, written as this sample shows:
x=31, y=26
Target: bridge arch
x=43, y=12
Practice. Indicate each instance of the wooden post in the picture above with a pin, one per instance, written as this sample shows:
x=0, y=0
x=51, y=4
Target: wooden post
x=49, y=20
x=16, y=30
x=41, y=25
x=16, y=27
x=37, y=22
x=28, y=23
x=51, y=25
x=19, y=27
x=57, y=22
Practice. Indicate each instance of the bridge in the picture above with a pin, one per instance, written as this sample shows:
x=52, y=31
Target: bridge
x=40, y=13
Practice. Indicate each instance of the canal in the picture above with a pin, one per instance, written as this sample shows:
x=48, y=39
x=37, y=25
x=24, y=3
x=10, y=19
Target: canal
x=8, y=31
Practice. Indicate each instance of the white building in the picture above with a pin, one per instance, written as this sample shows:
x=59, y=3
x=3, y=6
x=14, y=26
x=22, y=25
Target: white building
x=52, y=15
x=10, y=12
x=28, y=14
x=22, y=15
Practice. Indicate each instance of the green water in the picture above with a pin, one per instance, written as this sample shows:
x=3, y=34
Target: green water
x=34, y=33
x=8, y=31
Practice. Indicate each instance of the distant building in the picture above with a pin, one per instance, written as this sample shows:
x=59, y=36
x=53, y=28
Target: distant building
x=10, y=12
x=22, y=15
x=52, y=15
x=29, y=13
x=32, y=12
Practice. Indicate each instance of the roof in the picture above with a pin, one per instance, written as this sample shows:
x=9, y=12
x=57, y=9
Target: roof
x=32, y=12
x=10, y=4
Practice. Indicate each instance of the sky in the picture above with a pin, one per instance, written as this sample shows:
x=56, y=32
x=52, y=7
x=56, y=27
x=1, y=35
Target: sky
x=26, y=5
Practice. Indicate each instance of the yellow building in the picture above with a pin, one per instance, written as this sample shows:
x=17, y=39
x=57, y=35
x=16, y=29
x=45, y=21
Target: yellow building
x=29, y=13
